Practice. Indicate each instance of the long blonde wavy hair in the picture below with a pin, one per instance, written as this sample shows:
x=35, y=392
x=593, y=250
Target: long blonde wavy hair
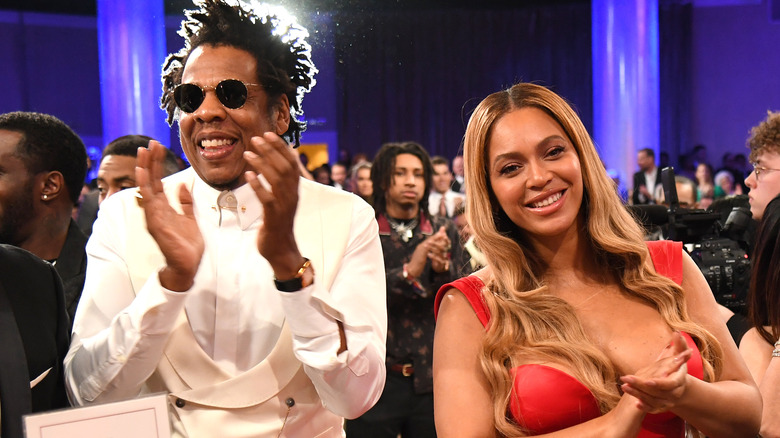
x=526, y=322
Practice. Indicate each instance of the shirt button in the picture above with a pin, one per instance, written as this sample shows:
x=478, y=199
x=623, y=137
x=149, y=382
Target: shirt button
x=180, y=403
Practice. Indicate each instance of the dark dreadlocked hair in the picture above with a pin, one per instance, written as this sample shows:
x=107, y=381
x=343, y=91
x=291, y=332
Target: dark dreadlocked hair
x=276, y=41
x=382, y=172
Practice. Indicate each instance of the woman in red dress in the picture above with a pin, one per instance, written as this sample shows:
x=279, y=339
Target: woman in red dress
x=577, y=327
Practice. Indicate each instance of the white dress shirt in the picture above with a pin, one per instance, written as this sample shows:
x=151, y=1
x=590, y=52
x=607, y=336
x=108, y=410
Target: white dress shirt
x=451, y=200
x=235, y=312
x=651, y=187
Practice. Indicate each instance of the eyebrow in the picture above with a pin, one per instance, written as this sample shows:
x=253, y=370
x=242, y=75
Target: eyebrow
x=542, y=144
x=118, y=179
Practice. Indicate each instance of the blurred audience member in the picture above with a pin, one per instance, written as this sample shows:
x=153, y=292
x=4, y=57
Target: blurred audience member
x=686, y=192
x=736, y=165
x=646, y=179
x=458, y=181
x=116, y=172
x=117, y=166
x=725, y=180
x=34, y=332
x=361, y=181
x=44, y=164
x=338, y=174
x=443, y=200
x=473, y=257
x=706, y=189
x=322, y=175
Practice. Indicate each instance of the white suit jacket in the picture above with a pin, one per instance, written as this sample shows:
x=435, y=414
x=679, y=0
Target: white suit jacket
x=204, y=400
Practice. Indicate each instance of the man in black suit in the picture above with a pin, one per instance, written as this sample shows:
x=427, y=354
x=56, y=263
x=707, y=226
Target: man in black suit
x=43, y=164
x=458, y=181
x=34, y=336
x=647, y=179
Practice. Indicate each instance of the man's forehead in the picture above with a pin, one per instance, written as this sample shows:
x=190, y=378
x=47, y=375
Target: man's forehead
x=11, y=137
x=768, y=155
x=408, y=167
x=208, y=63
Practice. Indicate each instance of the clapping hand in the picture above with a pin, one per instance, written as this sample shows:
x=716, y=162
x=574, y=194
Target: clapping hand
x=177, y=234
x=439, y=246
x=660, y=385
x=436, y=248
x=271, y=157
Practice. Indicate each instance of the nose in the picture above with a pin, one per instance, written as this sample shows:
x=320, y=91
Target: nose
x=751, y=181
x=538, y=175
x=409, y=179
x=210, y=109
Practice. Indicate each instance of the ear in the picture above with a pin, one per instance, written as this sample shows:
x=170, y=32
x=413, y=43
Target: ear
x=281, y=115
x=52, y=185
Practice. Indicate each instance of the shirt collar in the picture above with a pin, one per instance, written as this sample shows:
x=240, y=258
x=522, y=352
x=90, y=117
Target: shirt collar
x=424, y=226
x=241, y=200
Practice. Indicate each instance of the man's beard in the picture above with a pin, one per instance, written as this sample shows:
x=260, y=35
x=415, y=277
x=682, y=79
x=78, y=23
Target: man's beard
x=16, y=213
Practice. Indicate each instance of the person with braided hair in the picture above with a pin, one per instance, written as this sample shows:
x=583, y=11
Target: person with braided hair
x=253, y=297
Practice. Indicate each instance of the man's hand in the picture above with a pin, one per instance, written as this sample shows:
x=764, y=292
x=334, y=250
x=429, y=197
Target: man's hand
x=177, y=235
x=646, y=193
x=436, y=248
x=439, y=250
x=271, y=157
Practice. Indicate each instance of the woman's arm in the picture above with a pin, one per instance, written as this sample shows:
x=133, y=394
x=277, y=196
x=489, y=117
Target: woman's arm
x=730, y=407
x=765, y=369
x=459, y=385
x=463, y=406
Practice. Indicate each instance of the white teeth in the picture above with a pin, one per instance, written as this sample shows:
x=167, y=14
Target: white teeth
x=547, y=201
x=215, y=143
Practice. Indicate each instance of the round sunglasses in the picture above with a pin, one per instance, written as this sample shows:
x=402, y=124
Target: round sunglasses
x=232, y=93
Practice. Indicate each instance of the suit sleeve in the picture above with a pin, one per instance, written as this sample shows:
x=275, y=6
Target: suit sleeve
x=351, y=382
x=119, y=334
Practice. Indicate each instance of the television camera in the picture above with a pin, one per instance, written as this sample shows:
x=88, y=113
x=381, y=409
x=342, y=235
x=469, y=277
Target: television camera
x=718, y=248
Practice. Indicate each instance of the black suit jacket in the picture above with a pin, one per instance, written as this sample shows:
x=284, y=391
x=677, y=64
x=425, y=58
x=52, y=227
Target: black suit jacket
x=72, y=267
x=639, y=180
x=34, y=336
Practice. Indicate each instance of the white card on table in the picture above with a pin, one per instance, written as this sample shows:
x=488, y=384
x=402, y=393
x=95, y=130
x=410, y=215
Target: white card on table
x=145, y=417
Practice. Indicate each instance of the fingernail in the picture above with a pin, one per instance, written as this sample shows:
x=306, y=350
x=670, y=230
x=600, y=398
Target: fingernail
x=250, y=154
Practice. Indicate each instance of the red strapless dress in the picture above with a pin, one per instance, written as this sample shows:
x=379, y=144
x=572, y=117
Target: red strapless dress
x=545, y=399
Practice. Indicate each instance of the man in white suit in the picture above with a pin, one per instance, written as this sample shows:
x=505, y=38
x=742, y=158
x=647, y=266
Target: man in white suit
x=255, y=298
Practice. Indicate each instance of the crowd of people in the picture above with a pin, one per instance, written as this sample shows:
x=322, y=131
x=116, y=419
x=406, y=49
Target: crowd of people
x=694, y=170
x=509, y=292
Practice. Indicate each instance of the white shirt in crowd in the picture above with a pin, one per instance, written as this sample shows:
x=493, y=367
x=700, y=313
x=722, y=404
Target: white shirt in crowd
x=451, y=200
